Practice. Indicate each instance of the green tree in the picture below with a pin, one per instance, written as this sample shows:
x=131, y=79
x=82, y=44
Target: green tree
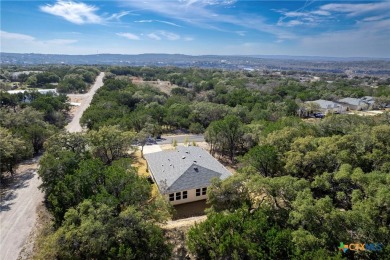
x=226, y=134
x=240, y=235
x=109, y=143
x=94, y=231
x=12, y=151
x=264, y=159
x=230, y=194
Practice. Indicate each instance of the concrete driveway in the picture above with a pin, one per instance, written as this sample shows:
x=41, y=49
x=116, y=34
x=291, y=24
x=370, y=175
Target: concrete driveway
x=168, y=139
x=151, y=148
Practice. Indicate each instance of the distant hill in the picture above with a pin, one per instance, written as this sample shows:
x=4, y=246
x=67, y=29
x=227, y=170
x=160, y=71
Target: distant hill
x=368, y=66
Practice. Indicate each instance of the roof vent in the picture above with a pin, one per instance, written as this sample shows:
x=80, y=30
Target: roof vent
x=183, y=157
x=195, y=161
x=188, y=152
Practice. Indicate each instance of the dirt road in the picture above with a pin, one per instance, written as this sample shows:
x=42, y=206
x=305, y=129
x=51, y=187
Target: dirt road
x=20, y=200
x=85, y=100
x=18, y=210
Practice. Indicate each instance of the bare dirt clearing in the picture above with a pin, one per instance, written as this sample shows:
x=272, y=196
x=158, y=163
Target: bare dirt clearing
x=163, y=86
x=176, y=232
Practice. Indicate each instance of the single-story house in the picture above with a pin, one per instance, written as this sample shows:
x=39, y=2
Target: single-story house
x=327, y=106
x=369, y=100
x=184, y=174
x=357, y=103
x=27, y=98
x=39, y=90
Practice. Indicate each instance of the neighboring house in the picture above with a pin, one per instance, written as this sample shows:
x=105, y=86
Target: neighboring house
x=184, y=174
x=42, y=91
x=357, y=103
x=326, y=106
x=369, y=100
x=27, y=98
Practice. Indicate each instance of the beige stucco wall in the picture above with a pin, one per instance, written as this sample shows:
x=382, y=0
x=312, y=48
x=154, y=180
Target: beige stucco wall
x=191, y=196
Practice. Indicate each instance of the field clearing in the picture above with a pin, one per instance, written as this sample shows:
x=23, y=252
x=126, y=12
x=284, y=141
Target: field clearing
x=163, y=86
x=367, y=113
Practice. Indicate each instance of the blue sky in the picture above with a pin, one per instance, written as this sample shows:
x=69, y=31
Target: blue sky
x=196, y=27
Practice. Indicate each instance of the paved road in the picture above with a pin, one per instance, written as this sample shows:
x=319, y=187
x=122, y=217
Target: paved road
x=18, y=213
x=19, y=204
x=181, y=139
x=74, y=125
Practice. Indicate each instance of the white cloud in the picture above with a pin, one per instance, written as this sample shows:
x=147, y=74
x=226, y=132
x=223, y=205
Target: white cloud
x=169, y=35
x=144, y=21
x=198, y=13
x=158, y=21
x=159, y=35
x=15, y=36
x=293, y=23
x=61, y=41
x=332, y=13
x=321, y=12
x=209, y=2
x=188, y=39
x=154, y=36
x=117, y=16
x=374, y=18
x=302, y=17
x=129, y=36
x=357, y=9
x=7, y=36
x=16, y=42
x=369, y=40
x=79, y=13
x=295, y=14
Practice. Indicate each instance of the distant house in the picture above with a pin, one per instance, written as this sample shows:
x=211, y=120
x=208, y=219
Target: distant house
x=363, y=103
x=184, y=174
x=369, y=100
x=27, y=98
x=42, y=91
x=326, y=106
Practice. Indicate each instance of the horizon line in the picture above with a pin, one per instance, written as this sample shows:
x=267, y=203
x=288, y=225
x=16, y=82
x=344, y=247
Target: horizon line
x=200, y=55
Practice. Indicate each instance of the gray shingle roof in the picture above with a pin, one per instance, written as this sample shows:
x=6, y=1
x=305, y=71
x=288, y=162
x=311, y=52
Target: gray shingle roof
x=184, y=168
x=351, y=101
x=325, y=104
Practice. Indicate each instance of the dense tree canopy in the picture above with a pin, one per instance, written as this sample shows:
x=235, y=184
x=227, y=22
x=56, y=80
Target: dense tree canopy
x=101, y=206
x=25, y=126
x=303, y=186
x=319, y=187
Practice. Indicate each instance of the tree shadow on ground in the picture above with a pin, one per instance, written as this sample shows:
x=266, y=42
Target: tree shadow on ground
x=10, y=184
